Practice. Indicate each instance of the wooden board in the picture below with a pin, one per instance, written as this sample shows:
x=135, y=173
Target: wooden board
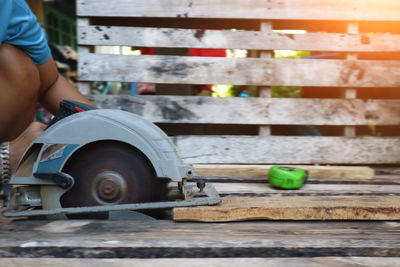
x=246, y=198
x=288, y=150
x=165, y=239
x=256, y=40
x=309, y=189
x=235, y=110
x=205, y=262
x=239, y=71
x=251, y=9
x=378, y=180
x=295, y=208
x=340, y=172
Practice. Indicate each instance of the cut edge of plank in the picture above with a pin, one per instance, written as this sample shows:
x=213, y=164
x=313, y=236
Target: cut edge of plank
x=294, y=208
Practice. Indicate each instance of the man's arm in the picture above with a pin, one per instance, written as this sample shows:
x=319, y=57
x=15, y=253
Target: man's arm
x=22, y=82
x=54, y=88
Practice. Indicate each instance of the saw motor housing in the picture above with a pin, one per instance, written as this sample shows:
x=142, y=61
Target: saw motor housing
x=40, y=169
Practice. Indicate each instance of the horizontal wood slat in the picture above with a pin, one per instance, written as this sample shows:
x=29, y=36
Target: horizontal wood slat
x=261, y=171
x=281, y=111
x=289, y=150
x=377, y=180
x=264, y=189
x=381, y=10
x=239, y=71
x=185, y=38
x=205, y=262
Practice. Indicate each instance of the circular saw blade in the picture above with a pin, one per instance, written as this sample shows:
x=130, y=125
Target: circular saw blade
x=108, y=173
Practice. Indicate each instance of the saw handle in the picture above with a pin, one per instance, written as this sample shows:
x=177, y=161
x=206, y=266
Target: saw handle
x=69, y=107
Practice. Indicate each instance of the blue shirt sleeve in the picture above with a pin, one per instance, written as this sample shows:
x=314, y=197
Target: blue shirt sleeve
x=19, y=27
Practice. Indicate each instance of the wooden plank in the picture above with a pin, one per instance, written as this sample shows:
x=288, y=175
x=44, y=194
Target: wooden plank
x=378, y=180
x=351, y=93
x=386, y=179
x=339, y=172
x=294, y=208
x=239, y=71
x=322, y=190
x=279, y=111
x=265, y=91
x=251, y=9
x=205, y=262
x=387, y=170
x=166, y=239
x=256, y=40
x=83, y=87
x=289, y=150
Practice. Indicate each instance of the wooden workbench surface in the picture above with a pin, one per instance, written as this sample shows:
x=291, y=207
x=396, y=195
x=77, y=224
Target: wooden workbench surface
x=167, y=239
x=204, y=262
x=265, y=242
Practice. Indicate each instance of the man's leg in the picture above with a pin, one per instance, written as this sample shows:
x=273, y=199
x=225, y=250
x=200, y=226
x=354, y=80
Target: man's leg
x=19, y=89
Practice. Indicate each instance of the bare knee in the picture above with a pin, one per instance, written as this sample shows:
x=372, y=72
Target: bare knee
x=19, y=89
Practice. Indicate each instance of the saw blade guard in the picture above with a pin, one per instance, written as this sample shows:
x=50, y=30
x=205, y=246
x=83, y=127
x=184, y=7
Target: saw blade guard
x=80, y=129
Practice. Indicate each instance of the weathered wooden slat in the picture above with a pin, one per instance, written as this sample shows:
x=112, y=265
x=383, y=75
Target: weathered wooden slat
x=289, y=150
x=378, y=180
x=192, y=38
x=251, y=9
x=339, y=172
x=264, y=189
x=155, y=239
x=279, y=111
x=295, y=208
x=239, y=71
x=83, y=87
x=206, y=262
x=267, y=111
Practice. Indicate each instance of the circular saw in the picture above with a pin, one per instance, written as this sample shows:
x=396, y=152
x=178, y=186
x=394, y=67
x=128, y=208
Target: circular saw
x=90, y=162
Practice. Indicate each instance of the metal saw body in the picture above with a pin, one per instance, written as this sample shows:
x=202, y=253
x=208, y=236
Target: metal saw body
x=39, y=180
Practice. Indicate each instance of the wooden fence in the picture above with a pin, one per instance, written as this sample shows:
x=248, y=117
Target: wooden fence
x=364, y=34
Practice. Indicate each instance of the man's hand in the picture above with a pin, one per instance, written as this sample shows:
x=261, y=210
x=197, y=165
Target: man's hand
x=18, y=145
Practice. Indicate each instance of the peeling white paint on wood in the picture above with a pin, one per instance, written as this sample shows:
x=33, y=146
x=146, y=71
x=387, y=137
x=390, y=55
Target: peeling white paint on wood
x=370, y=10
x=239, y=71
x=289, y=149
x=256, y=111
x=195, y=38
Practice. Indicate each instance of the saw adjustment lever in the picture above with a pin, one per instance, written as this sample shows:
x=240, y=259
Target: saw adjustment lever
x=61, y=179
